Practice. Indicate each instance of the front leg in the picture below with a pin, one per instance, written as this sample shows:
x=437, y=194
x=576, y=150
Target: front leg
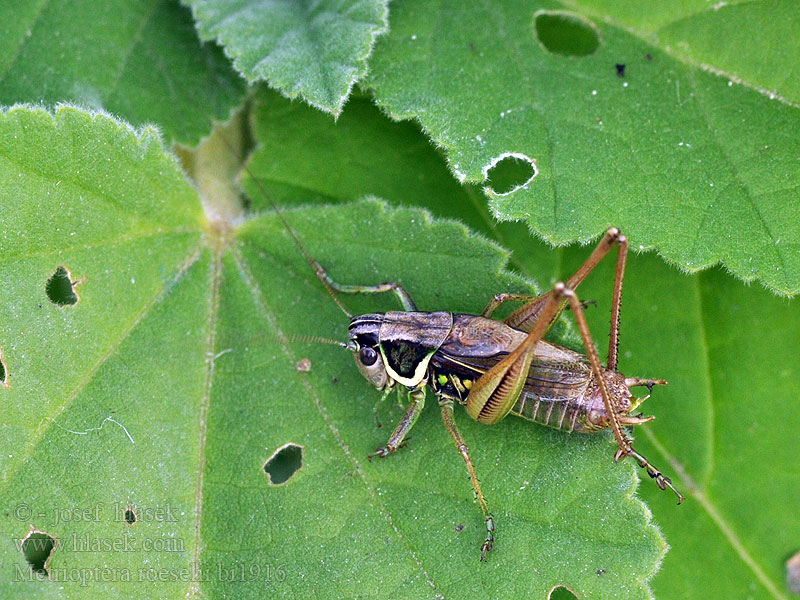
x=417, y=398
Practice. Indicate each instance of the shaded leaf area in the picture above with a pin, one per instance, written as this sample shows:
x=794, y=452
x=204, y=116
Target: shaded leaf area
x=699, y=167
x=172, y=380
x=726, y=427
x=302, y=156
x=314, y=50
x=745, y=39
x=138, y=59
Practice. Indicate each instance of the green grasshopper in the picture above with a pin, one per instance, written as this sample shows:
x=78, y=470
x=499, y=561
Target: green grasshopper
x=497, y=368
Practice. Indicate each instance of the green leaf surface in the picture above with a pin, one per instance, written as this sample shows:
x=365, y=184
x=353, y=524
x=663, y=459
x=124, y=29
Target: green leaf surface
x=727, y=350
x=137, y=59
x=166, y=388
x=702, y=167
x=750, y=41
x=316, y=50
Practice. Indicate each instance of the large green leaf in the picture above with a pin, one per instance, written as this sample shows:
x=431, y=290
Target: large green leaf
x=728, y=351
x=137, y=59
x=700, y=166
x=171, y=381
x=316, y=50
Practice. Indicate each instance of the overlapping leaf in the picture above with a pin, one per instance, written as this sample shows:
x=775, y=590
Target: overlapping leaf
x=137, y=59
x=316, y=50
x=697, y=165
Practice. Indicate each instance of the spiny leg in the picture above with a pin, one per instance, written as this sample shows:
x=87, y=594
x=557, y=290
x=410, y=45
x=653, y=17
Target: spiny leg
x=526, y=316
x=500, y=299
x=662, y=481
x=623, y=442
x=616, y=300
x=410, y=417
x=402, y=294
x=450, y=424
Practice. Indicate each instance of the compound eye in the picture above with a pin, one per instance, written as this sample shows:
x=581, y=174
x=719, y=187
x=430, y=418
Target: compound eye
x=367, y=356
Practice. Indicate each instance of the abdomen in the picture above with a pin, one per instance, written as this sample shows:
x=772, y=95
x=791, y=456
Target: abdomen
x=555, y=395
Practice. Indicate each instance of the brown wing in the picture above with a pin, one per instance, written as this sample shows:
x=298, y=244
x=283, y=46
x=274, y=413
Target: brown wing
x=476, y=344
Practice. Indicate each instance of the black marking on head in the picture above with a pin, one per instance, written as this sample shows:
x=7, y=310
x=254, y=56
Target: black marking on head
x=365, y=329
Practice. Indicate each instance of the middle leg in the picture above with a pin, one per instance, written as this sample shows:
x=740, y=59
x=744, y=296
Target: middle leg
x=450, y=425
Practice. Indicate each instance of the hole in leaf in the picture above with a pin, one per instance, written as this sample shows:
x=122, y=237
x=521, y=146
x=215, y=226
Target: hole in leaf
x=282, y=465
x=3, y=371
x=130, y=515
x=566, y=33
x=793, y=574
x=37, y=547
x=562, y=593
x=509, y=172
x=60, y=289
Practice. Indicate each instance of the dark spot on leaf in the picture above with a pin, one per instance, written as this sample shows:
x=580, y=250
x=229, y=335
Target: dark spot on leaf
x=60, y=289
x=562, y=593
x=37, y=548
x=566, y=33
x=459, y=528
x=648, y=56
x=620, y=69
x=282, y=465
x=335, y=380
x=130, y=515
x=509, y=174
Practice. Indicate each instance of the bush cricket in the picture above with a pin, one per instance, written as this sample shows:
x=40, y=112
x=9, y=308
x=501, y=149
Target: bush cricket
x=496, y=368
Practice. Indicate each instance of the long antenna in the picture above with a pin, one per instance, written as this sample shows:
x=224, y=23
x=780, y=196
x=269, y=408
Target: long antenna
x=319, y=271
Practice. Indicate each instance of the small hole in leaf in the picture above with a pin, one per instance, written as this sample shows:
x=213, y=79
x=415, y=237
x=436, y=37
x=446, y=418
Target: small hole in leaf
x=60, y=288
x=37, y=548
x=282, y=465
x=130, y=515
x=793, y=574
x=3, y=371
x=562, y=593
x=510, y=173
x=566, y=33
